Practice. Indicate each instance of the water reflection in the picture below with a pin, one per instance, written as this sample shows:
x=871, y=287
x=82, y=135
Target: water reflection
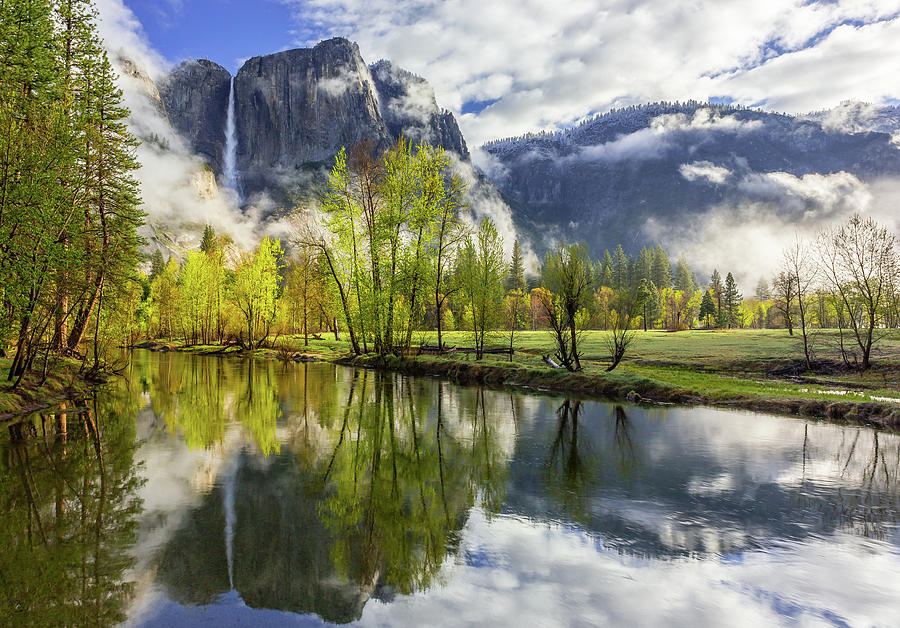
x=309, y=493
x=69, y=511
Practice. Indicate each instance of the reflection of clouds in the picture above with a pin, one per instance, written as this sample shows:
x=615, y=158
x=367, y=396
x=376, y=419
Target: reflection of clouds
x=677, y=521
x=177, y=479
x=521, y=574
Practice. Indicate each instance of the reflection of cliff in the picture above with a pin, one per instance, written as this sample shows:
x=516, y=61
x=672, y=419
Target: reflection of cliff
x=281, y=558
x=374, y=510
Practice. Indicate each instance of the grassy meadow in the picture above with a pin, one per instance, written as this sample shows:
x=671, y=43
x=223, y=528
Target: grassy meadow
x=714, y=365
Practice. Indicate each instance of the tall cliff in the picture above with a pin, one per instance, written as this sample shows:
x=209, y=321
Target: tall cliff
x=195, y=96
x=294, y=110
x=300, y=107
x=409, y=108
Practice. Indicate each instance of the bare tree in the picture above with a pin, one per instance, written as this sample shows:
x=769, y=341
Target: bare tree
x=622, y=332
x=567, y=277
x=799, y=265
x=784, y=293
x=860, y=264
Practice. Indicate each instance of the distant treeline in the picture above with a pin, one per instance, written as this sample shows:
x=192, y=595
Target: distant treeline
x=387, y=254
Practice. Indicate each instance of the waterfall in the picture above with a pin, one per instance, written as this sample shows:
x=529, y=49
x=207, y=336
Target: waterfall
x=230, y=170
x=228, y=499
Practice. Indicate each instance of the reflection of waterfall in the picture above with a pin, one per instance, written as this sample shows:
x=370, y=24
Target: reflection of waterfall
x=228, y=501
x=231, y=145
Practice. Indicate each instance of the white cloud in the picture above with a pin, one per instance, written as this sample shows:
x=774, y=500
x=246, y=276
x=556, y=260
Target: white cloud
x=747, y=236
x=549, y=574
x=704, y=170
x=551, y=64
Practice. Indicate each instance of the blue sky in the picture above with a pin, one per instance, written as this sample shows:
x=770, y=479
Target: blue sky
x=224, y=31
x=505, y=67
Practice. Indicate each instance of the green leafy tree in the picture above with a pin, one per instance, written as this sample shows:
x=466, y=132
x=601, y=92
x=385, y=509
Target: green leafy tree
x=481, y=271
x=566, y=275
x=256, y=290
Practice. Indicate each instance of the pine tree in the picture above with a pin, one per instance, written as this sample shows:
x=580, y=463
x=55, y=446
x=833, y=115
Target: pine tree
x=647, y=295
x=209, y=241
x=707, y=308
x=113, y=215
x=662, y=269
x=157, y=264
x=731, y=303
x=516, y=279
x=715, y=284
x=605, y=277
x=620, y=274
x=36, y=153
x=643, y=266
x=763, y=293
x=684, y=278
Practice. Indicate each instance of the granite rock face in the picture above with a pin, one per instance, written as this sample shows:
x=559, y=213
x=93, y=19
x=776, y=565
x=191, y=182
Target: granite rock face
x=195, y=96
x=295, y=110
x=300, y=107
x=409, y=108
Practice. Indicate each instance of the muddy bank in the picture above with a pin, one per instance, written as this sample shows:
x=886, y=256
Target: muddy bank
x=632, y=389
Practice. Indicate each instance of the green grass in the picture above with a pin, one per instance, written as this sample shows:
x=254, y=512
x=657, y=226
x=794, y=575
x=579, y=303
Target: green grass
x=63, y=377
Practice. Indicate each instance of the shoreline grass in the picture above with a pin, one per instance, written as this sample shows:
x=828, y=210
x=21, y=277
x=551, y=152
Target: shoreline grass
x=64, y=381
x=726, y=368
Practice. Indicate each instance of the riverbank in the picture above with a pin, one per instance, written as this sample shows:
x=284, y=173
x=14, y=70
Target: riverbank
x=64, y=381
x=756, y=370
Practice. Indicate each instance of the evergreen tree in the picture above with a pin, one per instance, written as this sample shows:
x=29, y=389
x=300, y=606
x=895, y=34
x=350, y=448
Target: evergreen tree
x=707, y=308
x=606, y=272
x=157, y=264
x=763, y=293
x=620, y=274
x=516, y=279
x=662, y=269
x=684, y=278
x=643, y=266
x=715, y=284
x=647, y=294
x=209, y=240
x=114, y=215
x=731, y=303
x=68, y=201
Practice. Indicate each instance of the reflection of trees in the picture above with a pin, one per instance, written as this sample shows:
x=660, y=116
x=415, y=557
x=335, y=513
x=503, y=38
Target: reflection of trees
x=399, y=486
x=869, y=497
x=373, y=482
x=68, y=510
x=569, y=462
x=627, y=455
x=578, y=458
x=199, y=396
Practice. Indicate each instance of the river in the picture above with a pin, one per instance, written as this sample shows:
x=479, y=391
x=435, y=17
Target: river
x=226, y=492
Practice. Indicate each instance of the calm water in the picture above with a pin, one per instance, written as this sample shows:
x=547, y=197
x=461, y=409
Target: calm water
x=222, y=492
